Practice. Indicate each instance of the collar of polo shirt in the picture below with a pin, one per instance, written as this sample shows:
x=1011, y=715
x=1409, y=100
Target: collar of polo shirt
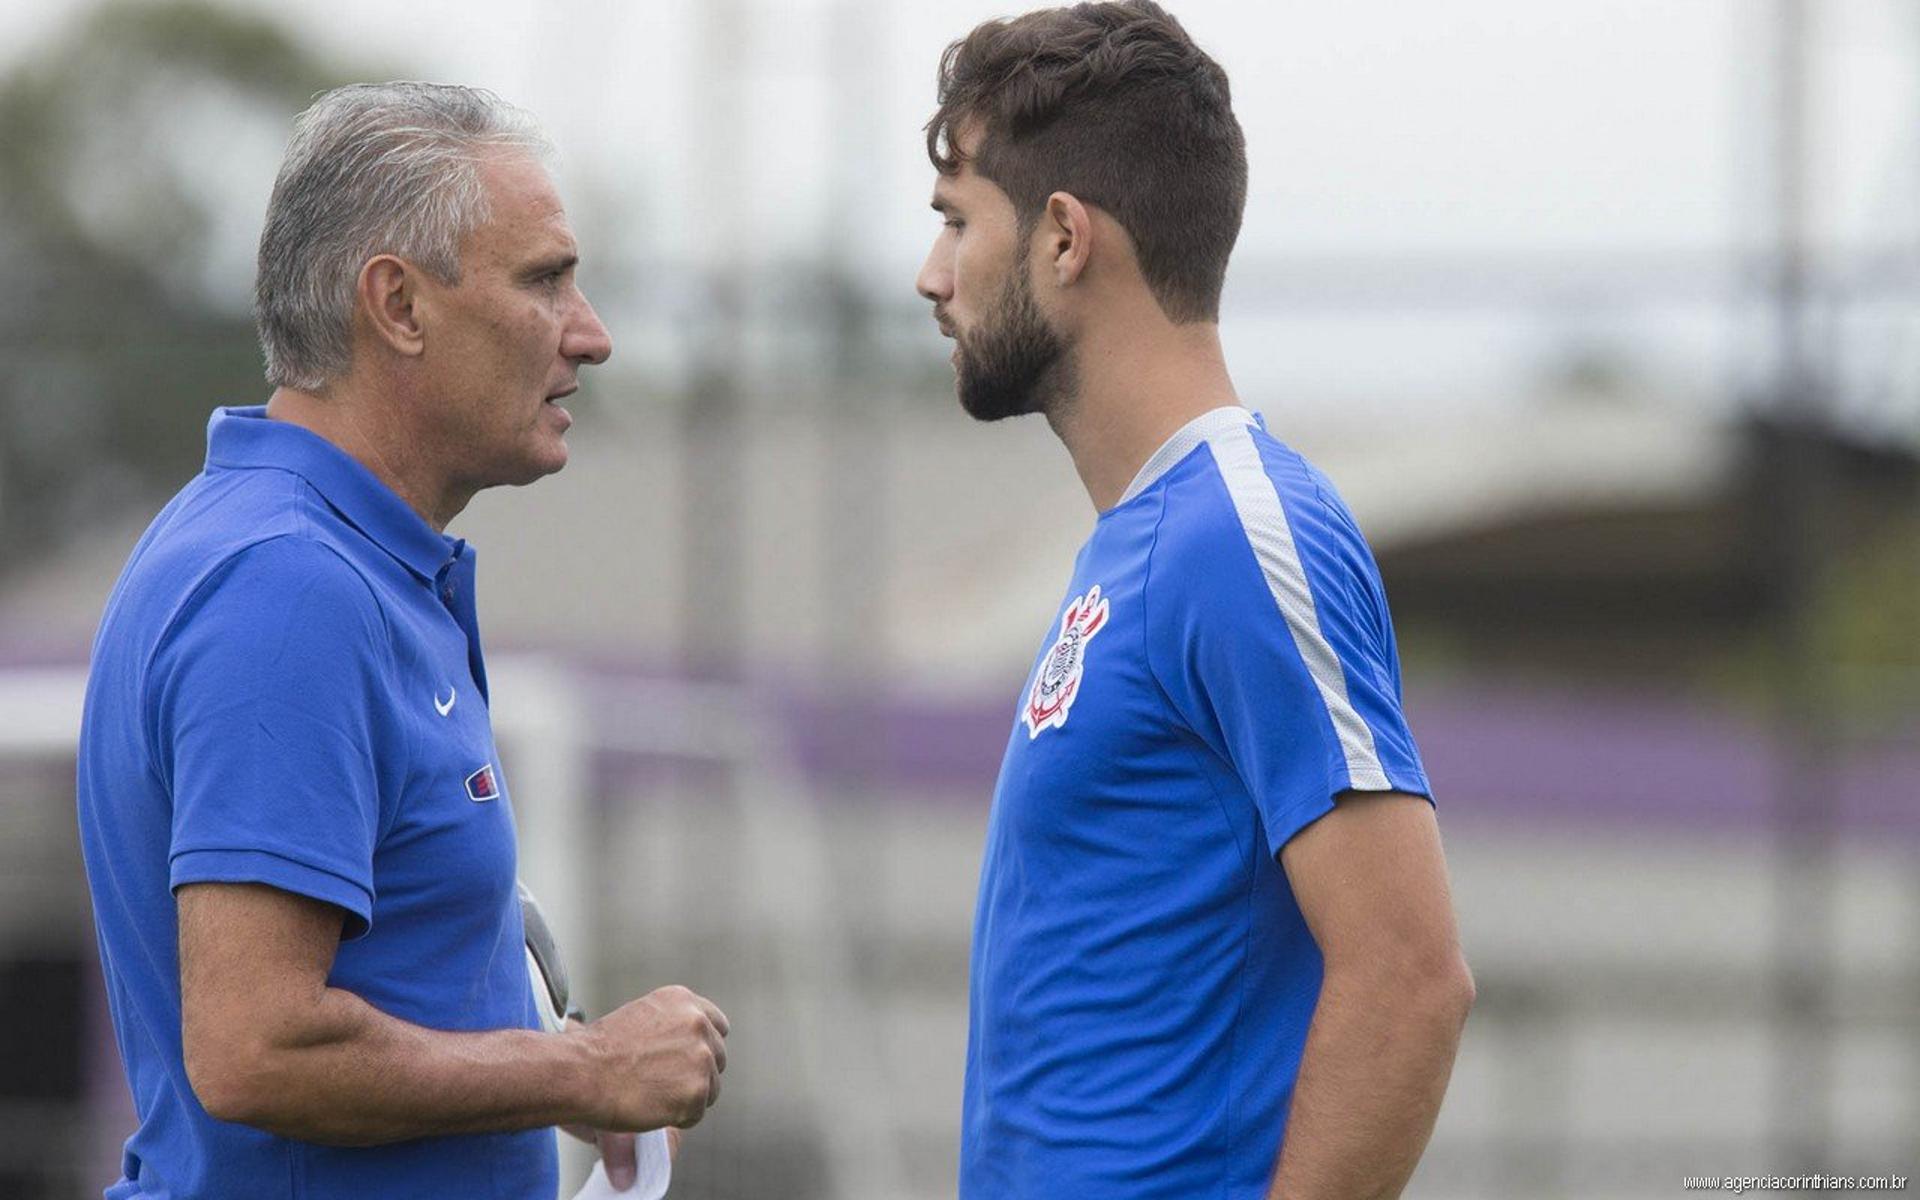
x=247, y=437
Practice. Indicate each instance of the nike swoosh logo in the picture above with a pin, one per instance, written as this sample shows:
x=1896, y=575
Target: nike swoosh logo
x=444, y=708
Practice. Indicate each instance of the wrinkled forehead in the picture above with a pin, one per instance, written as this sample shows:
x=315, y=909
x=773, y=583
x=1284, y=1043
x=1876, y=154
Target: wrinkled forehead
x=525, y=214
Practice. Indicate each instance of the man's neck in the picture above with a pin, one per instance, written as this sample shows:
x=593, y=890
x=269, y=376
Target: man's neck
x=380, y=444
x=1133, y=393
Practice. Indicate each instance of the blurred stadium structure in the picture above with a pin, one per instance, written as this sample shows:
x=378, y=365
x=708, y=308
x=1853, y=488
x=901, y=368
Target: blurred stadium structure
x=756, y=649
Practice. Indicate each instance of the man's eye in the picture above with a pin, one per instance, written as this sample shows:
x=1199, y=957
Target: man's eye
x=955, y=223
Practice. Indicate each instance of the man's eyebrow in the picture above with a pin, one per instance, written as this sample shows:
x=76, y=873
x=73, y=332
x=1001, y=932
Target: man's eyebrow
x=551, y=264
x=940, y=204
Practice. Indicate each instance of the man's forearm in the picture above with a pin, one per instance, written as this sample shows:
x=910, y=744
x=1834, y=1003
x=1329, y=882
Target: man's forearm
x=1376, y=1065
x=353, y=1075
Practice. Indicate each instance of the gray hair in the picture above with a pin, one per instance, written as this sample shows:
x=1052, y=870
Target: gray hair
x=373, y=168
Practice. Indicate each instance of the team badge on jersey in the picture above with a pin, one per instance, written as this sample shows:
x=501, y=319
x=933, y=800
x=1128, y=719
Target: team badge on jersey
x=1058, y=682
x=481, y=785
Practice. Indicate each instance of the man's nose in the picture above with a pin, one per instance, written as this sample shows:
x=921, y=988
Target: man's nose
x=588, y=340
x=935, y=281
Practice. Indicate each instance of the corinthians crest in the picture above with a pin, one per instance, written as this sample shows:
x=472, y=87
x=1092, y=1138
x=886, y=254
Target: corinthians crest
x=1059, y=679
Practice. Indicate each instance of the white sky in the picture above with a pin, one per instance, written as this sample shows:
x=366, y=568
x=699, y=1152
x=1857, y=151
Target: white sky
x=1576, y=132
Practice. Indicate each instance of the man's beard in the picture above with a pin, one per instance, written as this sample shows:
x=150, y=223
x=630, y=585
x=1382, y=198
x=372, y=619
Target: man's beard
x=1016, y=364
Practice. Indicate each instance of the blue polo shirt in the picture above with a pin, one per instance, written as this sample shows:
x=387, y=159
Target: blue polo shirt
x=287, y=689
x=1221, y=669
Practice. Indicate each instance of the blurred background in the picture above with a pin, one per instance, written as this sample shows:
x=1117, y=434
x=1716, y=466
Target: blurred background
x=1604, y=314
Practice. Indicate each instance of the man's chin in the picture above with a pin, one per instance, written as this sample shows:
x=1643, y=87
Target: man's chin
x=554, y=460
x=1012, y=376
x=992, y=404
x=550, y=459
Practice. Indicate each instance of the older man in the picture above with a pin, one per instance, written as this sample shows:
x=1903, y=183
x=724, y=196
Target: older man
x=296, y=829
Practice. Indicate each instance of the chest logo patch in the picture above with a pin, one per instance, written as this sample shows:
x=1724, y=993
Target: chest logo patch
x=1058, y=681
x=482, y=786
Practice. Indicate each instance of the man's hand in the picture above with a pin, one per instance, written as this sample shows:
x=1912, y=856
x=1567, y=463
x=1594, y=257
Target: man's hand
x=660, y=1059
x=617, y=1151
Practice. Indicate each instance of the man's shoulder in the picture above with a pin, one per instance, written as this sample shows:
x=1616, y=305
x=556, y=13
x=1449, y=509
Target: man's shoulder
x=1222, y=496
x=1248, y=515
x=235, y=545
x=284, y=611
x=207, y=603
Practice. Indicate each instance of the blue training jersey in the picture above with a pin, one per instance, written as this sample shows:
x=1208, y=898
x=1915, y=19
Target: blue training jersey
x=1221, y=669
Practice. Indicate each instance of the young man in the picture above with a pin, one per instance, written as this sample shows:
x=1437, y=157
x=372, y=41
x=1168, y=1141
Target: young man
x=1214, y=953
x=296, y=832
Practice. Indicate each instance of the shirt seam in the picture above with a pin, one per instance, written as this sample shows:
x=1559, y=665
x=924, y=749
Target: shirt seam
x=1165, y=695
x=1360, y=597
x=1243, y=852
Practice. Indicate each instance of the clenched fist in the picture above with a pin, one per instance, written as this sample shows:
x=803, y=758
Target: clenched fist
x=659, y=1060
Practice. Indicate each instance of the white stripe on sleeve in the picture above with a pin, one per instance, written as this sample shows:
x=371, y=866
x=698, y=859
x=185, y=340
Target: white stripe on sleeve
x=1264, y=521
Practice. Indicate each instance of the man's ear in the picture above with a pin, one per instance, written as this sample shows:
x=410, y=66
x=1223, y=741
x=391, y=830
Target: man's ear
x=389, y=301
x=1066, y=228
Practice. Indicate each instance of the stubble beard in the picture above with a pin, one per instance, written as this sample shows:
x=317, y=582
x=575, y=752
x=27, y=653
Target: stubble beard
x=1017, y=364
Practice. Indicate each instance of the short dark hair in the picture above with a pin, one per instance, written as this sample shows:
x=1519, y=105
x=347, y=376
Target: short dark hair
x=1115, y=104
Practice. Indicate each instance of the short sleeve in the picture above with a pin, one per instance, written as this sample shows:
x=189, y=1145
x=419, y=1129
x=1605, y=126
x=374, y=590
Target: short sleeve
x=1269, y=632
x=267, y=726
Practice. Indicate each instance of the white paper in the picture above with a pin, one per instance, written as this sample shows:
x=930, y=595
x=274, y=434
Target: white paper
x=649, y=1182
